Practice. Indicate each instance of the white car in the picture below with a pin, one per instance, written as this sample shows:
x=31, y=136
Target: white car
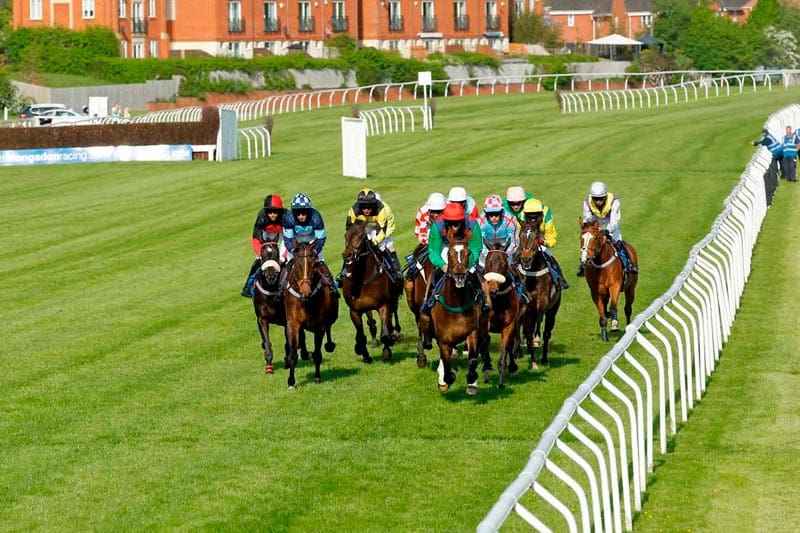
x=62, y=117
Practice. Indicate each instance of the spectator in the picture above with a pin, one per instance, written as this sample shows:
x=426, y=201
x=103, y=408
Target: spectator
x=116, y=110
x=789, y=159
x=771, y=176
x=126, y=113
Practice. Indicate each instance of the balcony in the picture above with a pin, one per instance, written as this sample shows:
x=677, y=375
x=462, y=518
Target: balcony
x=339, y=24
x=272, y=25
x=305, y=24
x=395, y=23
x=461, y=23
x=492, y=23
x=429, y=24
x=138, y=26
x=235, y=25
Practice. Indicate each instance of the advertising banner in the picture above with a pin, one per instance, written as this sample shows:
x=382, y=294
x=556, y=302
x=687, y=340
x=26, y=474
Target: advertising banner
x=96, y=154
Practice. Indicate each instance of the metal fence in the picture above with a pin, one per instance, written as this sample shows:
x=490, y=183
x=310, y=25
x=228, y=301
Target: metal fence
x=393, y=119
x=589, y=470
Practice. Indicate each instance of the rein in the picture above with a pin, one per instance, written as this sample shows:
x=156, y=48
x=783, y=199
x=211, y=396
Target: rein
x=599, y=252
x=357, y=255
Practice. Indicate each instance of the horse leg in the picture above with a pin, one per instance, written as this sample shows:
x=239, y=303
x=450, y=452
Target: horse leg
x=447, y=376
x=515, y=350
x=613, y=298
x=537, y=332
x=303, y=350
x=386, y=338
x=372, y=325
x=293, y=338
x=317, y=355
x=395, y=327
x=472, y=364
x=630, y=296
x=330, y=346
x=266, y=344
x=549, y=324
x=361, y=339
x=483, y=349
x=600, y=304
x=506, y=347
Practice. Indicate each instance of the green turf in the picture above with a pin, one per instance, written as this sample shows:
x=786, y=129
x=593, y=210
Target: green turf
x=132, y=392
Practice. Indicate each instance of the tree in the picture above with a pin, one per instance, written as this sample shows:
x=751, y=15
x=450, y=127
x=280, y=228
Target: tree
x=531, y=28
x=9, y=95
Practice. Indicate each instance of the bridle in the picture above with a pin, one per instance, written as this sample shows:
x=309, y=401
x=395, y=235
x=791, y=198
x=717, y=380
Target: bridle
x=592, y=245
x=305, y=257
x=355, y=253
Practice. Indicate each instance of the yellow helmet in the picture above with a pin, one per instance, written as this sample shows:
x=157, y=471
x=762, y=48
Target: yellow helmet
x=533, y=206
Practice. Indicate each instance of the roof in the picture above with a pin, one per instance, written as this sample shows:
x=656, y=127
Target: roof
x=732, y=5
x=649, y=40
x=640, y=6
x=615, y=40
x=596, y=6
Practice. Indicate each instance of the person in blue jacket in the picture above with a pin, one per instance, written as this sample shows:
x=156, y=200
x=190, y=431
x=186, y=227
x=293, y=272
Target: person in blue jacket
x=775, y=148
x=305, y=222
x=789, y=155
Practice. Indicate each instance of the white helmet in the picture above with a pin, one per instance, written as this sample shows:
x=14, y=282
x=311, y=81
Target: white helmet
x=436, y=201
x=457, y=194
x=515, y=194
x=598, y=190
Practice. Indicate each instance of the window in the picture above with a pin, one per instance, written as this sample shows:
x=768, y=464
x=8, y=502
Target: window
x=647, y=21
x=138, y=22
x=171, y=10
x=123, y=51
x=305, y=21
x=428, y=18
x=88, y=9
x=151, y=8
x=138, y=50
x=271, y=17
x=395, y=16
x=460, y=18
x=492, y=20
x=339, y=18
x=36, y=9
x=571, y=21
x=269, y=46
x=153, y=48
x=519, y=8
x=122, y=9
x=235, y=23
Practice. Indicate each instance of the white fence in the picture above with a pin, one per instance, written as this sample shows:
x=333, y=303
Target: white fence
x=393, y=119
x=598, y=450
x=255, y=142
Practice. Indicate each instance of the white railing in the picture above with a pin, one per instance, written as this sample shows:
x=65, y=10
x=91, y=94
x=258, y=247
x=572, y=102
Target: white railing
x=393, y=119
x=665, y=356
x=257, y=142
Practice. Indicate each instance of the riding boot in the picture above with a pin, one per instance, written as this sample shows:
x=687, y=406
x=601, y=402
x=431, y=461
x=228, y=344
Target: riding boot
x=626, y=260
x=519, y=286
x=340, y=277
x=558, y=276
x=327, y=278
x=580, y=270
x=411, y=267
x=430, y=296
x=397, y=270
x=247, y=290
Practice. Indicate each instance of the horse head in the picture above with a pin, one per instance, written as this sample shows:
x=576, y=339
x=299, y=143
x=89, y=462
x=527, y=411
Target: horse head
x=458, y=256
x=496, y=264
x=592, y=241
x=271, y=262
x=356, y=246
x=528, y=244
x=303, y=269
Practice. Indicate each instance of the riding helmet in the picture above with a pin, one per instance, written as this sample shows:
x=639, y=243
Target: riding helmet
x=436, y=201
x=493, y=204
x=367, y=197
x=273, y=201
x=515, y=194
x=453, y=212
x=533, y=206
x=301, y=201
x=598, y=190
x=457, y=194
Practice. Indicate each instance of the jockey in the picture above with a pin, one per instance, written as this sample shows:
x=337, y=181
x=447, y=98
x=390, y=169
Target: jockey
x=372, y=211
x=497, y=225
x=515, y=200
x=427, y=214
x=604, y=207
x=459, y=196
x=303, y=221
x=453, y=216
x=535, y=211
x=268, y=227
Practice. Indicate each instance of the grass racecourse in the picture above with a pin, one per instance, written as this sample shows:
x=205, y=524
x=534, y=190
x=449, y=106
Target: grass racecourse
x=132, y=392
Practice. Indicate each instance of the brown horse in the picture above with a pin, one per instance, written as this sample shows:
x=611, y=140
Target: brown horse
x=415, y=295
x=368, y=286
x=310, y=305
x=504, y=317
x=456, y=315
x=606, y=277
x=545, y=296
x=268, y=298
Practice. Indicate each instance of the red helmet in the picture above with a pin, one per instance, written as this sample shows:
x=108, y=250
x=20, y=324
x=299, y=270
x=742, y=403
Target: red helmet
x=273, y=201
x=453, y=212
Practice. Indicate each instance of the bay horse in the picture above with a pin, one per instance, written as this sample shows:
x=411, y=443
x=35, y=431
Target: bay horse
x=504, y=317
x=415, y=290
x=456, y=315
x=310, y=305
x=367, y=285
x=606, y=277
x=544, y=295
x=268, y=297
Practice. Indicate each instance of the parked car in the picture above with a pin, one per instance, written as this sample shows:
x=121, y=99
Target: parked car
x=57, y=117
x=34, y=110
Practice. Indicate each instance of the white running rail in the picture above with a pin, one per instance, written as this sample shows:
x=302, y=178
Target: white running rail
x=656, y=372
x=393, y=119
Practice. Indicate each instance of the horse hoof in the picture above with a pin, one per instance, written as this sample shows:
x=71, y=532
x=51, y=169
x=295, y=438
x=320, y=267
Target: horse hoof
x=614, y=325
x=375, y=342
x=368, y=359
x=317, y=380
x=269, y=369
x=291, y=387
x=444, y=387
x=305, y=356
x=472, y=390
x=536, y=342
x=512, y=367
x=427, y=345
x=534, y=366
x=422, y=362
x=330, y=347
x=486, y=377
x=386, y=355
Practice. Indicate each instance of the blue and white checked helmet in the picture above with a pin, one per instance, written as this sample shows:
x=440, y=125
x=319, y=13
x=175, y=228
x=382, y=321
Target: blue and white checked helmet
x=301, y=201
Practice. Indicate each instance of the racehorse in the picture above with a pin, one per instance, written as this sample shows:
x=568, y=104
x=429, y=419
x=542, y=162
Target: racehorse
x=456, y=315
x=367, y=286
x=267, y=297
x=310, y=305
x=504, y=317
x=415, y=295
x=606, y=277
x=545, y=296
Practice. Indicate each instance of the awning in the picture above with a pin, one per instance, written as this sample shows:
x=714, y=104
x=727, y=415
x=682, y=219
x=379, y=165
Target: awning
x=430, y=35
x=615, y=40
x=493, y=34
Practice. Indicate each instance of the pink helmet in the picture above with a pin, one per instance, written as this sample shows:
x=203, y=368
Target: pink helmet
x=493, y=204
x=515, y=194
